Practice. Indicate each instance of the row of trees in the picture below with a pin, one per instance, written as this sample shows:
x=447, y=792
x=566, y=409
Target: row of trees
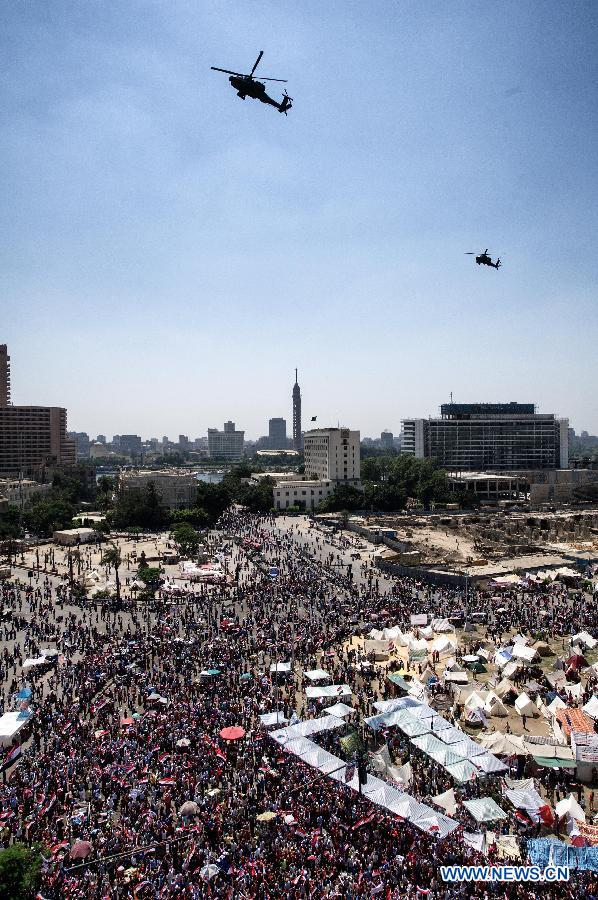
x=389, y=481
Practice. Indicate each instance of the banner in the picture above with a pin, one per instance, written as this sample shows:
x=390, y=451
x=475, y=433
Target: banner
x=419, y=619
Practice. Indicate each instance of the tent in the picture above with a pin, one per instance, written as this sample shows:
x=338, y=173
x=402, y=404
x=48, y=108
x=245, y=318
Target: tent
x=281, y=667
x=591, y=707
x=446, y=801
x=333, y=690
x=494, y=706
x=525, y=706
x=584, y=639
x=503, y=744
x=484, y=809
x=555, y=704
x=273, y=718
x=577, y=661
x=441, y=626
x=570, y=807
x=316, y=675
x=527, y=654
x=504, y=688
x=445, y=644
x=462, y=771
x=340, y=710
x=542, y=648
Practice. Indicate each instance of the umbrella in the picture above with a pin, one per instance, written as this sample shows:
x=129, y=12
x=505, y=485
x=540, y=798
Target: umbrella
x=234, y=733
x=189, y=808
x=266, y=816
x=183, y=742
x=210, y=672
x=126, y=721
x=80, y=850
x=246, y=676
x=209, y=871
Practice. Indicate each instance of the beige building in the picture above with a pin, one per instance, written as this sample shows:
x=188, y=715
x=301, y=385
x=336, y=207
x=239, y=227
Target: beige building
x=31, y=437
x=332, y=454
x=304, y=494
x=19, y=491
x=177, y=488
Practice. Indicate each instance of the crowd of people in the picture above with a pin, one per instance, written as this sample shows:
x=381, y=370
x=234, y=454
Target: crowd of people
x=128, y=780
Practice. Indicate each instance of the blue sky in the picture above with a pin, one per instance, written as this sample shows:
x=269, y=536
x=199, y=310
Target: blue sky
x=170, y=253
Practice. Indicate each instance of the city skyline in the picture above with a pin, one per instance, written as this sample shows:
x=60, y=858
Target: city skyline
x=169, y=249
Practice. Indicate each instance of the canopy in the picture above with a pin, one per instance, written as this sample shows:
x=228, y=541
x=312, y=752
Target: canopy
x=484, y=809
x=280, y=667
x=316, y=674
x=332, y=690
x=340, y=710
x=591, y=707
x=273, y=718
x=570, y=807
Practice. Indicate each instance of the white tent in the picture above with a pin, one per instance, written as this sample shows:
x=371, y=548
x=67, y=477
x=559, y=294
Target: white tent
x=333, y=690
x=525, y=706
x=446, y=801
x=316, y=674
x=570, y=807
x=584, y=639
x=273, y=718
x=494, y=706
x=503, y=744
x=520, y=651
x=591, y=707
x=441, y=625
x=445, y=644
x=340, y=710
x=280, y=667
x=484, y=809
x=504, y=687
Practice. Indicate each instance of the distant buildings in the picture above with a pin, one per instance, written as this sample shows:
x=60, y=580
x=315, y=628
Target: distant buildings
x=481, y=437
x=387, y=440
x=277, y=434
x=297, y=438
x=31, y=437
x=227, y=444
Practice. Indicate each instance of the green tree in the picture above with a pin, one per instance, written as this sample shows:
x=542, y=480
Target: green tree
x=196, y=517
x=151, y=577
x=344, y=497
x=42, y=516
x=214, y=498
x=20, y=872
x=140, y=507
x=186, y=538
x=112, y=559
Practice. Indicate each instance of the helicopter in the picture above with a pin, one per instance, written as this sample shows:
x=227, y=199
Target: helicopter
x=484, y=260
x=248, y=86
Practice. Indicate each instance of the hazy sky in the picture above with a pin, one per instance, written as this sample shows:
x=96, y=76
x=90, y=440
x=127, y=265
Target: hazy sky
x=170, y=253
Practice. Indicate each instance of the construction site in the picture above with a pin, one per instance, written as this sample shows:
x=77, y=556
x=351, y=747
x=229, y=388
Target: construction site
x=481, y=545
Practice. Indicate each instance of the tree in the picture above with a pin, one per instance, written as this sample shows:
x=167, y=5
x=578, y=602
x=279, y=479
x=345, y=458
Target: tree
x=141, y=507
x=186, y=538
x=43, y=516
x=344, y=497
x=151, y=577
x=214, y=498
x=112, y=559
x=196, y=517
x=20, y=872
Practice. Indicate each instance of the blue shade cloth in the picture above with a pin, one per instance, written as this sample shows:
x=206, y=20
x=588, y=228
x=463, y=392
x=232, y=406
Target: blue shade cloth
x=546, y=852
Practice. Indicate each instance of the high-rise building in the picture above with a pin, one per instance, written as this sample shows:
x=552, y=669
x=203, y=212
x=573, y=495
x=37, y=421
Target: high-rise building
x=277, y=434
x=332, y=454
x=297, y=438
x=4, y=376
x=130, y=444
x=227, y=444
x=387, y=440
x=82, y=443
x=481, y=437
x=31, y=437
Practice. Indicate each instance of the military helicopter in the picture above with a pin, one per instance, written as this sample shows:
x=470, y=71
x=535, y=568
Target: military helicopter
x=248, y=86
x=482, y=259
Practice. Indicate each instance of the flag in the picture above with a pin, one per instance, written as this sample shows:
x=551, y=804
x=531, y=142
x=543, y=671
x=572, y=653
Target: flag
x=11, y=757
x=349, y=772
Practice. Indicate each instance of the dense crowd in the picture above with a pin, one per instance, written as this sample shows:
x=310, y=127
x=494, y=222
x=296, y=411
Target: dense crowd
x=126, y=780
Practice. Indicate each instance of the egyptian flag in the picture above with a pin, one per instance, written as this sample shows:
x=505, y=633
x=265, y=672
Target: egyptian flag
x=11, y=757
x=546, y=815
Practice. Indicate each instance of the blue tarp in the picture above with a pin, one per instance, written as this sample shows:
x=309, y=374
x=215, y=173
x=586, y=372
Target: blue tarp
x=547, y=852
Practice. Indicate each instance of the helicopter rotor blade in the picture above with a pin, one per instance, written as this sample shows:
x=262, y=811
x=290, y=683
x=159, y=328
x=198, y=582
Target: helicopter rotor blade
x=273, y=79
x=228, y=72
x=470, y=254
x=257, y=62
